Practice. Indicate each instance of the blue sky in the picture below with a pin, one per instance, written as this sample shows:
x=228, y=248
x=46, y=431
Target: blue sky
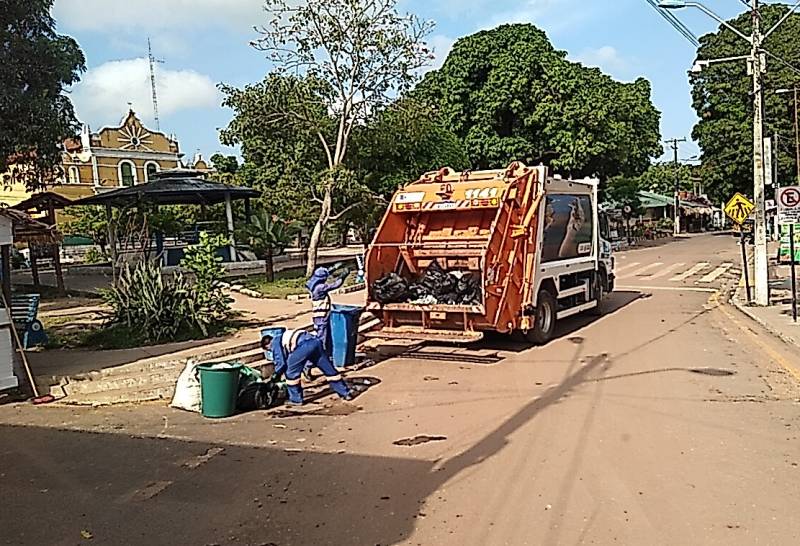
x=204, y=42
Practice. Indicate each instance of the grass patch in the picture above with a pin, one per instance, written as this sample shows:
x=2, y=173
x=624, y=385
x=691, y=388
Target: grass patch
x=288, y=282
x=50, y=293
x=62, y=333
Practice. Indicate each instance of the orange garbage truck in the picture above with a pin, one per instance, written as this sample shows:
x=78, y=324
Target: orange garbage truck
x=458, y=254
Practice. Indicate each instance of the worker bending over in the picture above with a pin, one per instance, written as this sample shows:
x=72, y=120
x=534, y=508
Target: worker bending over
x=291, y=350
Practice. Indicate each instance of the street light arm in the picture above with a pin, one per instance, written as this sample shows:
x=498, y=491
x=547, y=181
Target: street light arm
x=721, y=21
x=782, y=20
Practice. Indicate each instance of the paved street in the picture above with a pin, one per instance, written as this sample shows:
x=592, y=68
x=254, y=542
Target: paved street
x=672, y=419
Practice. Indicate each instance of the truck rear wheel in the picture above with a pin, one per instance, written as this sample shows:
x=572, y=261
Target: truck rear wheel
x=544, y=320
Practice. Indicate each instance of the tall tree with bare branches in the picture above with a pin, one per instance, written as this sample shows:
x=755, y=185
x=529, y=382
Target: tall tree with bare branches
x=361, y=54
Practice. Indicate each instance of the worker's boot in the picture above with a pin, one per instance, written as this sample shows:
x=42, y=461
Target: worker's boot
x=341, y=388
x=295, y=393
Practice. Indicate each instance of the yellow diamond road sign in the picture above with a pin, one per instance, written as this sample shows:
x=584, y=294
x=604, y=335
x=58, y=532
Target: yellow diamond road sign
x=739, y=208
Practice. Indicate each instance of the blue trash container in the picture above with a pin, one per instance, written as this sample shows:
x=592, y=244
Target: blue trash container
x=344, y=333
x=273, y=332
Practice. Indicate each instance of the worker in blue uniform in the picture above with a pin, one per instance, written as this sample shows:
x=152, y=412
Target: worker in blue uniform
x=291, y=350
x=320, y=291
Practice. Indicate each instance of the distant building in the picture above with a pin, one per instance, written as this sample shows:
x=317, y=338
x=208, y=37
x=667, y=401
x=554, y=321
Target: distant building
x=112, y=158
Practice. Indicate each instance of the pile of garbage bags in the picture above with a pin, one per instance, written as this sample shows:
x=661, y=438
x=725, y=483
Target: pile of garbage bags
x=434, y=286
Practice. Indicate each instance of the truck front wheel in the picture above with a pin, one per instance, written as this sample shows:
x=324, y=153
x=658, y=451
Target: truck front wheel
x=544, y=323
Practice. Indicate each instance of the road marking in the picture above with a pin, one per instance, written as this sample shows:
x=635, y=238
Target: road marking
x=639, y=272
x=716, y=273
x=696, y=268
x=775, y=355
x=624, y=267
x=204, y=458
x=664, y=271
x=147, y=492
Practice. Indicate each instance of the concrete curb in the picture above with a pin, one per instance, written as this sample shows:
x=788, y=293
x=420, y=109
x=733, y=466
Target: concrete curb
x=742, y=306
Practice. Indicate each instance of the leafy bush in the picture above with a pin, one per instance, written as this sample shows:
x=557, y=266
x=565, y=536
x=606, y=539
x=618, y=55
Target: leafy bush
x=201, y=259
x=156, y=307
x=162, y=309
x=93, y=256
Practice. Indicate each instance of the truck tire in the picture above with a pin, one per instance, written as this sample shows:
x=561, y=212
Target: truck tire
x=544, y=320
x=600, y=287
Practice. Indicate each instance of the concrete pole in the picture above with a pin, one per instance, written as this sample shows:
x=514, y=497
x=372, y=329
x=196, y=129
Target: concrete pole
x=229, y=217
x=797, y=134
x=761, y=280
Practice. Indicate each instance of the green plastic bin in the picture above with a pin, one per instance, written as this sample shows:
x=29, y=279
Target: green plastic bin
x=219, y=387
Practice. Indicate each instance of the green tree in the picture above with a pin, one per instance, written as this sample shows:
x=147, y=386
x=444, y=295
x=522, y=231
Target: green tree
x=35, y=114
x=624, y=191
x=225, y=164
x=397, y=145
x=208, y=297
x=721, y=95
x=357, y=55
x=88, y=221
x=268, y=236
x=660, y=178
x=281, y=160
x=511, y=96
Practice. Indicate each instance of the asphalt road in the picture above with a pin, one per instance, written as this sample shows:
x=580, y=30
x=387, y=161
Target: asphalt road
x=670, y=420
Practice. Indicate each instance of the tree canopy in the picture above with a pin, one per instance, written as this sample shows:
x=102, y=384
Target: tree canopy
x=35, y=114
x=510, y=95
x=722, y=98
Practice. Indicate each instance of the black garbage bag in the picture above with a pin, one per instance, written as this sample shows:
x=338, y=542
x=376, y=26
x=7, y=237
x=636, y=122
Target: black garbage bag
x=438, y=283
x=417, y=291
x=469, y=290
x=259, y=395
x=390, y=289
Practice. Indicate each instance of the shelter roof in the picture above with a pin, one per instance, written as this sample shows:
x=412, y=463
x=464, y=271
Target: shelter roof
x=171, y=188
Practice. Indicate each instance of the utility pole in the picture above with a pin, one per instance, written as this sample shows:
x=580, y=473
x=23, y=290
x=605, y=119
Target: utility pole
x=153, y=60
x=674, y=144
x=760, y=259
x=757, y=68
x=797, y=133
x=776, y=185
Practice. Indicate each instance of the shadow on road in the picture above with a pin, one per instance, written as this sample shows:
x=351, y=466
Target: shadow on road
x=127, y=490
x=490, y=349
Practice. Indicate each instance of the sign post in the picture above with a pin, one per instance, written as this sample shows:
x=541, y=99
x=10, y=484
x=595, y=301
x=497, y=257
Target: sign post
x=738, y=209
x=789, y=213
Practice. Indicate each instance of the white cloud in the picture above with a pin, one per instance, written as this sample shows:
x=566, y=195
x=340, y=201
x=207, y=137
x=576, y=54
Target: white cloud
x=552, y=16
x=102, y=96
x=607, y=58
x=441, y=46
x=114, y=15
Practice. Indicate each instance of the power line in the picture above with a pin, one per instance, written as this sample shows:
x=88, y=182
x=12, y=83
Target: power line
x=676, y=23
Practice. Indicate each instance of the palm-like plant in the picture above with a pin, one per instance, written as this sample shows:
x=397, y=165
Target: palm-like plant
x=267, y=236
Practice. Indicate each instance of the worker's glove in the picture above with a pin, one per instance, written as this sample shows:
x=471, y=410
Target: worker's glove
x=344, y=273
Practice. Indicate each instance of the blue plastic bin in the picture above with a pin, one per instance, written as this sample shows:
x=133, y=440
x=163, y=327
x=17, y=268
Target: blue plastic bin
x=344, y=334
x=273, y=332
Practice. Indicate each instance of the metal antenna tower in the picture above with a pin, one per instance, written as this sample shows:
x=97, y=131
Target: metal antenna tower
x=153, y=60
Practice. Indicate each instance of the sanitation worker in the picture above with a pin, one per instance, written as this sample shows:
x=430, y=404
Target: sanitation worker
x=319, y=289
x=291, y=350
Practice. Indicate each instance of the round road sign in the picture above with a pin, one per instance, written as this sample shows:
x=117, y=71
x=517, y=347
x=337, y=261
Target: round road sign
x=790, y=198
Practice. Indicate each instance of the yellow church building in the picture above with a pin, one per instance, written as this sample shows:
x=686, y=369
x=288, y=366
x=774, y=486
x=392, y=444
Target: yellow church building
x=112, y=158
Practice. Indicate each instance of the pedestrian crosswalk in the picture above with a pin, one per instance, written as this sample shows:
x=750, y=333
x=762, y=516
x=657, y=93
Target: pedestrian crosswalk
x=702, y=273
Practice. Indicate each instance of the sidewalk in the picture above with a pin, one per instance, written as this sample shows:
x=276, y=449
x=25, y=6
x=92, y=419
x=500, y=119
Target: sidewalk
x=777, y=318
x=258, y=312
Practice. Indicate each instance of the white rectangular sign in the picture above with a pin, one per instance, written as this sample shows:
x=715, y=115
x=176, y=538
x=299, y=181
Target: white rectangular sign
x=789, y=205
